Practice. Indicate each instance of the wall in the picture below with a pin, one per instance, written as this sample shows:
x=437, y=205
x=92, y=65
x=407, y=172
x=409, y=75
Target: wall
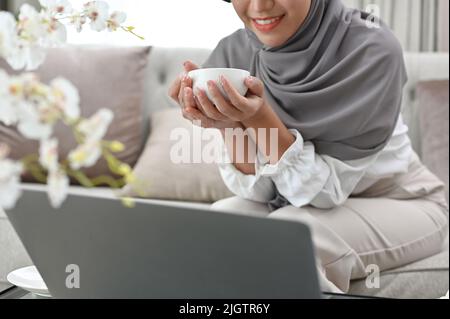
x=443, y=25
x=415, y=22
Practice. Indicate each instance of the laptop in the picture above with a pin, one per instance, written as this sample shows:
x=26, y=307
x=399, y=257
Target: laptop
x=157, y=250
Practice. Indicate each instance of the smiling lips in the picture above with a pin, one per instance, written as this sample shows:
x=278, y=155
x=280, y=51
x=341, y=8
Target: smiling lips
x=267, y=24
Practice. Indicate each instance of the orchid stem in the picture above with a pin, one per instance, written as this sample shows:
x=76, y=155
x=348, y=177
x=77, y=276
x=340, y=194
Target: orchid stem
x=127, y=29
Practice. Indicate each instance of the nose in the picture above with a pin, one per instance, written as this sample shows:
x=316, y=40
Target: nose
x=262, y=5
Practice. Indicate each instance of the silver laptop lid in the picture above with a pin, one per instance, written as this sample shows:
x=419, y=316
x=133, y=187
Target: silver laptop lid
x=163, y=251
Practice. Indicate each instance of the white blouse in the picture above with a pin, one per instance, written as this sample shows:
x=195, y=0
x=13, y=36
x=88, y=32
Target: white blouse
x=306, y=178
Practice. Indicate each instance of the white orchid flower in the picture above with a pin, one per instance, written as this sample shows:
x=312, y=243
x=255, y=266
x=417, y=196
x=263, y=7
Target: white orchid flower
x=30, y=24
x=7, y=33
x=85, y=155
x=56, y=33
x=94, y=129
x=48, y=154
x=97, y=125
x=9, y=183
x=35, y=130
x=8, y=114
x=26, y=56
x=78, y=20
x=35, y=32
x=23, y=42
x=97, y=12
x=66, y=96
x=57, y=188
x=116, y=19
x=36, y=114
x=30, y=124
x=4, y=82
x=57, y=6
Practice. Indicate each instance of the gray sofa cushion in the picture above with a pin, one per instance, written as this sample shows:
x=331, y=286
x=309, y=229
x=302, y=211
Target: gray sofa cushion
x=433, y=99
x=421, y=66
x=425, y=279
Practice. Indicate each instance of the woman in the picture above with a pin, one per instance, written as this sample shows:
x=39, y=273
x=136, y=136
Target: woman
x=330, y=81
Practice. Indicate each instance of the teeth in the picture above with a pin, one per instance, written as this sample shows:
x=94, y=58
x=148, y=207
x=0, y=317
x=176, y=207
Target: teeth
x=264, y=22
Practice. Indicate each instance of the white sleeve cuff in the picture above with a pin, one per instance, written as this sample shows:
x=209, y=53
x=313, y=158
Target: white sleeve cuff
x=288, y=158
x=300, y=174
x=253, y=187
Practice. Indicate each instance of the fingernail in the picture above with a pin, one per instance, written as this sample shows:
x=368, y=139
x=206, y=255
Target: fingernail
x=250, y=79
x=196, y=92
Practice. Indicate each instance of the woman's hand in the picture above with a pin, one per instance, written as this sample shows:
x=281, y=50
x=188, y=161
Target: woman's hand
x=177, y=89
x=181, y=92
x=238, y=108
x=253, y=112
x=206, y=117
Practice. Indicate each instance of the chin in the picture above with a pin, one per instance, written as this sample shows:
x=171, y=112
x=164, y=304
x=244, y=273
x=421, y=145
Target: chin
x=270, y=42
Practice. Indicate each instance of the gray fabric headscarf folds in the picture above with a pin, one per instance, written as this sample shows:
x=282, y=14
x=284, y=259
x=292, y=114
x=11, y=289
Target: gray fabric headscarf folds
x=338, y=80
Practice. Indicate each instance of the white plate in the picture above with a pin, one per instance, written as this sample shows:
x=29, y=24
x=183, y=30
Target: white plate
x=28, y=278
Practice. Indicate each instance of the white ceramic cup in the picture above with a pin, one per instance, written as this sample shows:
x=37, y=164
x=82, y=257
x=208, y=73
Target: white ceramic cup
x=236, y=77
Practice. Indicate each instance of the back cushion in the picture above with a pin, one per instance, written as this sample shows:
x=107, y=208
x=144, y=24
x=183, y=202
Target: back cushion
x=106, y=77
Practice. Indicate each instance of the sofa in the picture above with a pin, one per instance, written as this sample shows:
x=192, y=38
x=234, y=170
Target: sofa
x=424, y=279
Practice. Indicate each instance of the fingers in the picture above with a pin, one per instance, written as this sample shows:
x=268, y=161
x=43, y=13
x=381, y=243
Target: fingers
x=255, y=86
x=190, y=111
x=177, y=87
x=188, y=98
x=240, y=102
x=222, y=105
x=207, y=108
x=197, y=118
x=252, y=102
x=186, y=82
x=189, y=66
x=188, y=104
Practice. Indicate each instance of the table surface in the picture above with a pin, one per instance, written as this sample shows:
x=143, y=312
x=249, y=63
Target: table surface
x=18, y=293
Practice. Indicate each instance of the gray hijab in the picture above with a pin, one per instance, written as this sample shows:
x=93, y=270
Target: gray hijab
x=336, y=80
